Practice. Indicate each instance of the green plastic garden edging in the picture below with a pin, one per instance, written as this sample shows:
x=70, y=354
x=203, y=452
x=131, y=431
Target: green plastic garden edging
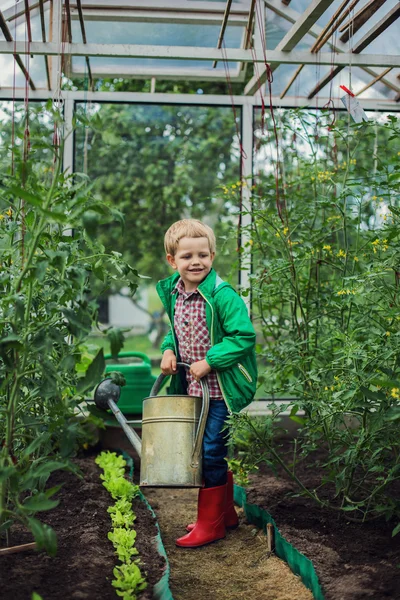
x=161, y=589
x=299, y=564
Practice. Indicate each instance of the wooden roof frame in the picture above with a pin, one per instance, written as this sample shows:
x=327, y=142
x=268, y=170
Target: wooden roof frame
x=226, y=13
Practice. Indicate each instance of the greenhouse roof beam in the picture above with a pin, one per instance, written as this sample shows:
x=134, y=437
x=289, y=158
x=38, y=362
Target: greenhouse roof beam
x=369, y=37
x=68, y=14
x=249, y=25
x=326, y=33
x=186, y=99
x=182, y=6
x=14, y=12
x=160, y=16
x=17, y=58
x=355, y=23
x=43, y=27
x=292, y=16
x=298, y=30
x=202, y=54
x=28, y=20
x=83, y=32
x=223, y=27
x=160, y=73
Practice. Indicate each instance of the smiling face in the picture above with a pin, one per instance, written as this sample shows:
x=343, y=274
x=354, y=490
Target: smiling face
x=193, y=260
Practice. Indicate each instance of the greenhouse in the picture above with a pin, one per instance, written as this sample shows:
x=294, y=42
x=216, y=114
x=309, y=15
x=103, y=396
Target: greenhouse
x=199, y=309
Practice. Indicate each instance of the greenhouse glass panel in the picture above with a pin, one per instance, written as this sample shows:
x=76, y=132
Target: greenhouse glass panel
x=156, y=34
x=157, y=164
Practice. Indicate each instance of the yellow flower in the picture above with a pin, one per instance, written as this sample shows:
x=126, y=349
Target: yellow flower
x=332, y=387
x=356, y=258
x=341, y=253
x=2, y=217
x=285, y=230
x=375, y=242
x=327, y=247
x=326, y=388
x=387, y=333
x=395, y=393
x=374, y=198
x=9, y=212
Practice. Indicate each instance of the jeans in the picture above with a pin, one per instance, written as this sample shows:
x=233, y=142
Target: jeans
x=215, y=446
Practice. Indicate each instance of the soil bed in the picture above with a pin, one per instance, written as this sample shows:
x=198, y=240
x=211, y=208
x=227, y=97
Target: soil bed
x=82, y=568
x=353, y=561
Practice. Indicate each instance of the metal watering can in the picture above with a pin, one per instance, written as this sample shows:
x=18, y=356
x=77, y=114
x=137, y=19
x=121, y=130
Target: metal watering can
x=172, y=433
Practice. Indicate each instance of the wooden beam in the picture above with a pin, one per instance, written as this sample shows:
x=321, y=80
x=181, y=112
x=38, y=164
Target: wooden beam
x=189, y=53
x=249, y=26
x=68, y=13
x=369, y=37
x=361, y=17
x=43, y=27
x=337, y=46
x=325, y=34
x=223, y=27
x=28, y=20
x=17, y=58
x=298, y=30
x=371, y=83
x=335, y=23
x=83, y=31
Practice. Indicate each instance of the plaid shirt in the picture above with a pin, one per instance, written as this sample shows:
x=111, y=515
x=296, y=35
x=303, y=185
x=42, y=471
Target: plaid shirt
x=193, y=337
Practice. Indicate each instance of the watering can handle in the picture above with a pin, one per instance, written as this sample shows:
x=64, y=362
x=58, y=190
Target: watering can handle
x=198, y=442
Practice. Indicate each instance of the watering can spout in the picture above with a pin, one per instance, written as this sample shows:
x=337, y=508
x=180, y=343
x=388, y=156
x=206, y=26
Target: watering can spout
x=106, y=396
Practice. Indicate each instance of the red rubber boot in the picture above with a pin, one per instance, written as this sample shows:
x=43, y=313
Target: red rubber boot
x=231, y=518
x=210, y=524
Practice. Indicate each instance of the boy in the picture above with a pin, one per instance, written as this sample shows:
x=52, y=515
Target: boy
x=212, y=332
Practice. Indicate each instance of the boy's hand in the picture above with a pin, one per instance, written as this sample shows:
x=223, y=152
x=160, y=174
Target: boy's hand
x=199, y=369
x=168, y=363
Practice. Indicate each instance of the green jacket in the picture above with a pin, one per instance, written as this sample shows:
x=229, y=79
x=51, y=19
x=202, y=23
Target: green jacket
x=232, y=336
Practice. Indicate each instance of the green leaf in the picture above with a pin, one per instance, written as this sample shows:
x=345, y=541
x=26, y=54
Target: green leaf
x=6, y=472
x=396, y=530
x=44, y=535
x=21, y=192
x=39, y=502
x=93, y=374
x=37, y=442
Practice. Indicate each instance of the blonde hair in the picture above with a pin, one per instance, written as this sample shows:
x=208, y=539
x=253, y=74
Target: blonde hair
x=192, y=228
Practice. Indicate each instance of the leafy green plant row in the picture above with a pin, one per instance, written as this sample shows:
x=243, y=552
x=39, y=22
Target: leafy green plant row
x=325, y=246
x=128, y=578
x=51, y=262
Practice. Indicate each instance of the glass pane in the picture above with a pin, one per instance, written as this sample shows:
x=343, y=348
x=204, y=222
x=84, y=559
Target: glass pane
x=156, y=34
x=159, y=164
x=12, y=76
x=111, y=64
